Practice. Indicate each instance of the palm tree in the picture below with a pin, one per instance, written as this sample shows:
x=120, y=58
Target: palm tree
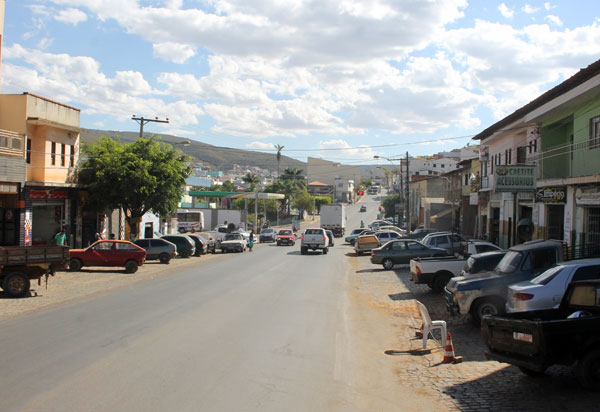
x=279, y=148
x=292, y=182
x=251, y=179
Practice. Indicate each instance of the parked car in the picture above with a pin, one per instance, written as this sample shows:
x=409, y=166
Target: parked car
x=536, y=340
x=211, y=242
x=387, y=235
x=267, y=235
x=420, y=233
x=185, y=245
x=366, y=243
x=363, y=208
x=376, y=223
x=158, y=249
x=546, y=290
x=108, y=253
x=233, y=242
x=356, y=233
x=286, y=237
x=402, y=251
x=392, y=228
x=445, y=240
x=200, y=244
x=482, y=262
x=330, y=237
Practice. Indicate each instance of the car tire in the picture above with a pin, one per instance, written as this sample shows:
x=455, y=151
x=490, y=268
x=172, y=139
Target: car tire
x=531, y=372
x=131, y=266
x=185, y=253
x=75, y=265
x=181, y=230
x=164, y=258
x=325, y=250
x=486, y=306
x=588, y=370
x=303, y=251
x=388, y=264
x=16, y=284
x=440, y=281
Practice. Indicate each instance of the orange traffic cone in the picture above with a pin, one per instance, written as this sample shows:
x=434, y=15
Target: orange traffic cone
x=449, y=350
x=419, y=334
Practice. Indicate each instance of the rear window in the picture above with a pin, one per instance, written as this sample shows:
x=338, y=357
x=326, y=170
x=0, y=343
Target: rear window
x=125, y=246
x=313, y=232
x=547, y=276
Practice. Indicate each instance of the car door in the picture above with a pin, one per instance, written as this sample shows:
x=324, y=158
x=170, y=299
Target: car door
x=415, y=249
x=99, y=254
x=442, y=242
x=399, y=252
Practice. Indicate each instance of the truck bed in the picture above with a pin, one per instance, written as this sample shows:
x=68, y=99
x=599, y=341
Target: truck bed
x=33, y=255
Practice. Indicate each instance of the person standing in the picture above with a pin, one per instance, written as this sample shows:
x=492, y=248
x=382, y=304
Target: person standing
x=60, y=237
x=251, y=241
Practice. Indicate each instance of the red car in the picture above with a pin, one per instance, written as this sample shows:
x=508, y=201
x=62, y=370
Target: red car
x=108, y=253
x=286, y=237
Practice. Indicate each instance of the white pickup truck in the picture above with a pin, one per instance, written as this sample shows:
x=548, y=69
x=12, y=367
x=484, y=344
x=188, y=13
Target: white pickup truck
x=436, y=272
x=314, y=239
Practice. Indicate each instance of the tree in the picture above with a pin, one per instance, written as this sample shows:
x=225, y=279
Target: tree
x=279, y=148
x=227, y=186
x=389, y=204
x=143, y=176
x=322, y=200
x=252, y=180
x=304, y=201
x=291, y=183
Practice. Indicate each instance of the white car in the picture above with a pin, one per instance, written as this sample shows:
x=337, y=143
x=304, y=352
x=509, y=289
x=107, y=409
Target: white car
x=386, y=235
x=546, y=290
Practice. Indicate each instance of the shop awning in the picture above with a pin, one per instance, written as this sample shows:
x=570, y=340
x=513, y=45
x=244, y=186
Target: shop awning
x=442, y=213
x=252, y=195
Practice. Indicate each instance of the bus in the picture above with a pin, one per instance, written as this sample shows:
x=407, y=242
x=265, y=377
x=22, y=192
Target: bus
x=189, y=220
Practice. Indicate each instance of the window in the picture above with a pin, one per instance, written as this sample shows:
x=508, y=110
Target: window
x=103, y=246
x=62, y=154
x=442, y=165
x=72, y=157
x=398, y=246
x=586, y=273
x=28, y=155
x=414, y=246
x=509, y=161
x=124, y=246
x=595, y=132
x=143, y=243
x=53, y=153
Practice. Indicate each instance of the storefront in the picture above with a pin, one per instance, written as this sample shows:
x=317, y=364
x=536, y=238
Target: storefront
x=48, y=210
x=9, y=214
x=587, y=220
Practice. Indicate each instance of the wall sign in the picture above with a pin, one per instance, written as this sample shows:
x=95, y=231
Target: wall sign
x=555, y=194
x=48, y=194
x=514, y=178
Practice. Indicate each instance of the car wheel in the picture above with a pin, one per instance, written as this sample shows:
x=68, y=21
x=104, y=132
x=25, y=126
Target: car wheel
x=588, y=370
x=303, y=251
x=164, y=258
x=131, y=266
x=531, y=372
x=16, y=284
x=325, y=251
x=440, y=281
x=388, y=264
x=75, y=265
x=182, y=230
x=484, y=307
x=185, y=253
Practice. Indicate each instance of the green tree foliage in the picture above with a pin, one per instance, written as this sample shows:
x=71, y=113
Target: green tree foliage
x=227, y=186
x=322, y=200
x=143, y=176
x=304, y=201
x=389, y=204
x=290, y=184
x=252, y=180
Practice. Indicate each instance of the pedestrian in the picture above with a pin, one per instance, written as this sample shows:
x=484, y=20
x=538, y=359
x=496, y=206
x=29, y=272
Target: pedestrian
x=362, y=224
x=60, y=237
x=251, y=241
x=97, y=237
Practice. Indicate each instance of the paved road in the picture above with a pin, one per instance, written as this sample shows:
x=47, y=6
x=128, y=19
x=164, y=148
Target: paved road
x=260, y=331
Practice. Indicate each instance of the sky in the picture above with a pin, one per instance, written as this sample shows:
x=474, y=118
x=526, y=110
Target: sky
x=341, y=80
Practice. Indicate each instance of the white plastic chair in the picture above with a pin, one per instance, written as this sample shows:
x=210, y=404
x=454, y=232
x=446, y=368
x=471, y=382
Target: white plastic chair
x=429, y=326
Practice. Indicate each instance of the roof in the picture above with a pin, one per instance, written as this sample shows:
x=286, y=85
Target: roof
x=536, y=243
x=580, y=77
x=317, y=183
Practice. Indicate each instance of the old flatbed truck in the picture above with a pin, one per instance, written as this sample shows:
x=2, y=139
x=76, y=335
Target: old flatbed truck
x=21, y=264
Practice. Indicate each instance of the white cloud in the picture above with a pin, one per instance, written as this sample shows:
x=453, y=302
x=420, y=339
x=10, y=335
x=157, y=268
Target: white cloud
x=260, y=145
x=549, y=6
x=71, y=16
x=554, y=20
x=529, y=9
x=44, y=43
x=346, y=151
x=174, y=52
x=506, y=11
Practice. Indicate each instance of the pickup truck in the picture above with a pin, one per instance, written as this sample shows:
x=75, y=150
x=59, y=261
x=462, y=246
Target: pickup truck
x=21, y=264
x=436, y=272
x=314, y=239
x=485, y=293
x=535, y=340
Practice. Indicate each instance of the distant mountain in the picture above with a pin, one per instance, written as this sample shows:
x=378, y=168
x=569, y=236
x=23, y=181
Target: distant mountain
x=220, y=158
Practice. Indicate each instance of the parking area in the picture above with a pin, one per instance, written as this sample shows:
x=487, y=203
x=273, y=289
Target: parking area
x=476, y=384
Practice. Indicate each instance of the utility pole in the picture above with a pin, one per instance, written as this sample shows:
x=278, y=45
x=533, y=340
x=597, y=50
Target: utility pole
x=407, y=197
x=142, y=121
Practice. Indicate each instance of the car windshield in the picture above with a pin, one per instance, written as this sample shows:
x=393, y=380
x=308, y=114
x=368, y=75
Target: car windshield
x=285, y=232
x=233, y=236
x=268, y=231
x=547, y=276
x=510, y=262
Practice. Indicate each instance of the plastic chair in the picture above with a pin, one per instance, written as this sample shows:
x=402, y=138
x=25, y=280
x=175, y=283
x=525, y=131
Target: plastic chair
x=429, y=325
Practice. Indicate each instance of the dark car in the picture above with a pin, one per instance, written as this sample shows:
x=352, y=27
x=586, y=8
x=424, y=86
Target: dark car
x=267, y=235
x=402, y=251
x=211, y=242
x=108, y=253
x=200, y=243
x=185, y=245
x=160, y=249
x=363, y=208
x=482, y=262
x=330, y=237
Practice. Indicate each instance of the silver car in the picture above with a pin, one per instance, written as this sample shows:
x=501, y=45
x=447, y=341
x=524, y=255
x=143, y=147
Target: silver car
x=546, y=290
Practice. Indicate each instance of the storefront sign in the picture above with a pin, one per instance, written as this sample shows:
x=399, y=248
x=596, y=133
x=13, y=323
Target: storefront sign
x=48, y=194
x=551, y=195
x=27, y=228
x=587, y=196
x=514, y=178
x=473, y=199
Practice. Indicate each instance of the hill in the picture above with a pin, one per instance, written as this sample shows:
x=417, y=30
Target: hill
x=219, y=158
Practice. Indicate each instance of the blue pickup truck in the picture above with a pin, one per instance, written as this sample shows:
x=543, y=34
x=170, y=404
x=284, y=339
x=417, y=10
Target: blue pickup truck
x=485, y=293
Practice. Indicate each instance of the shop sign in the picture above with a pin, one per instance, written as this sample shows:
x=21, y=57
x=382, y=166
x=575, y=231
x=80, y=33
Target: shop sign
x=473, y=199
x=587, y=196
x=557, y=194
x=48, y=194
x=514, y=178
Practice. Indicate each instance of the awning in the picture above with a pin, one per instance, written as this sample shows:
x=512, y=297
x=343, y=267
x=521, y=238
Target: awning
x=442, y=213
x=253, y=195
x=43, y=122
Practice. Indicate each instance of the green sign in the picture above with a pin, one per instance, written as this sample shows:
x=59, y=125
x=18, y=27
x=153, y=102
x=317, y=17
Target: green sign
x=514, y=178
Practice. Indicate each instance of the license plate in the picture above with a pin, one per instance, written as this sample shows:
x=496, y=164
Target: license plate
x=523, y=337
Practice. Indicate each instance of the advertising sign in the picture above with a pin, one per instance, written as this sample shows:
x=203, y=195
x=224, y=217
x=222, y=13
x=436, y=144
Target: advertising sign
x=514, y=178
x=556, y=194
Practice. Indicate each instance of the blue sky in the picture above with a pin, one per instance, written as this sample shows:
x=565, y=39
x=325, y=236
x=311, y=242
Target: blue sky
x=343, y=80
